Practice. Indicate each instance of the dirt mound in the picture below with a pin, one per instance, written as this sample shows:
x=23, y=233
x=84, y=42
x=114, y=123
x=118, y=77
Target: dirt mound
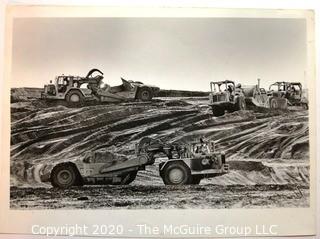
x=43, y=134
x=28, y=93
x=248, y=172
x=245, y=172
x=272, y=137
x=25, y=94
x=176, y=103
x=181, y=93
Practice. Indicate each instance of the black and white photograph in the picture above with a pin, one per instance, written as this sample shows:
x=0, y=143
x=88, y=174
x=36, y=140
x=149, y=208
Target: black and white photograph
x=159, y=113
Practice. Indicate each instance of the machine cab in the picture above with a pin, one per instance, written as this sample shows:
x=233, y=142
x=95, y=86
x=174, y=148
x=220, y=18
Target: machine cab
x=295, y=91
x=222, y=91
x=289, y=90
x=61, y=85
x=202, y=148
x=278, y=89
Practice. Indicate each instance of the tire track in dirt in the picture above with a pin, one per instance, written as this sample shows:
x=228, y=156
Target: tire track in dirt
x=49, y=135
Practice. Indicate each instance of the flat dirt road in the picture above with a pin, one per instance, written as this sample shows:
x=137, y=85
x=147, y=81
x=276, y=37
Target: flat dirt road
x=268, y=153
x=162, y=197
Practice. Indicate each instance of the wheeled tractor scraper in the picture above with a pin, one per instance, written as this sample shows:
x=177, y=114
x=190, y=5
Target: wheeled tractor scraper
x=226, y=96
x=183, y=164
x=257, y=97
x=77, y=89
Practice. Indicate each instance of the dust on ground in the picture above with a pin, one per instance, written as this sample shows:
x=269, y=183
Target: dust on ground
x=161, y=197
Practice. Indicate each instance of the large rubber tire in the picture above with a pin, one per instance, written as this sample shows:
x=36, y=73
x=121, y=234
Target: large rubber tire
x=195, y=179
x=240, y=104
x=217, y=110
x=129, y=178
x=74, y=97
x=176, y=173
x=145, y=94
x=64, y=176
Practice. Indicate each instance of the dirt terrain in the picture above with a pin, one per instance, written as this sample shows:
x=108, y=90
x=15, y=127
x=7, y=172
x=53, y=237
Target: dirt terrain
x=268, y=153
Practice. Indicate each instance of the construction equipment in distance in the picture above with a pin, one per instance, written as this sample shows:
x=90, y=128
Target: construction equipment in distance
x=225, y=96
x=76, y=89
x=186, y=164
x=292, y=91
x=257, y=97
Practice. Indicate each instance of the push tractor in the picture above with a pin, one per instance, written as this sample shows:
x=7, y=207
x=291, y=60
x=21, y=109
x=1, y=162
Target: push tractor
x=292, y=91
x=77, y=89
x=181, y=165
x=225, y=96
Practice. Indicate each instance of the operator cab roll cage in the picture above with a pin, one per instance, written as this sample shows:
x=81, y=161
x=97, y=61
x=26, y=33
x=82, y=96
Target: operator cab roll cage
x=227, y=83
x=283, y=86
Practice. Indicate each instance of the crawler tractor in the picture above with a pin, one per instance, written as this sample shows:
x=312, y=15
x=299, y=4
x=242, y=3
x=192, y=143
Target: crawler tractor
x=183, y=164
x=76, y=89
x=292, y=91
x=225, y=96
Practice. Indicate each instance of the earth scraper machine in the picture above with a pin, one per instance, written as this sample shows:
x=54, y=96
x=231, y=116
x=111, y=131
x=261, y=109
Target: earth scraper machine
x=77, y=89
x=257, y=97
x=183, y=164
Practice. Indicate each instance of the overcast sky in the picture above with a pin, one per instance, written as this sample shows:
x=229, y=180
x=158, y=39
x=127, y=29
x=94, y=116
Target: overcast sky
x=172, y=53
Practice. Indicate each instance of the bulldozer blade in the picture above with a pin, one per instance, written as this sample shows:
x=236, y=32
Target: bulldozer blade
x=278, y=103
x=283, y=103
